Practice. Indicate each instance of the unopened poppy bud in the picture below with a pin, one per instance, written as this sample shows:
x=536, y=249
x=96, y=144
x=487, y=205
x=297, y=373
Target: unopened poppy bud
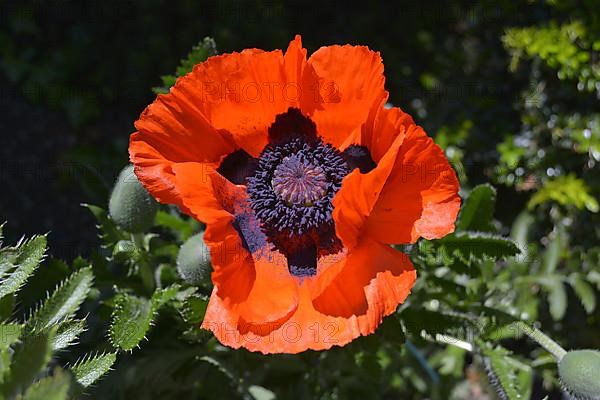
x=131, y=207
x=579, y=372
x=193, y=260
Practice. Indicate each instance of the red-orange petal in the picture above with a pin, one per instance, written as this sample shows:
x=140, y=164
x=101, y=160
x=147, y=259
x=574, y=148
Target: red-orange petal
x=272, y=299
x=301, y=88
x=172, y=131
x=209, y=197
x=351, y=81
x=420, y=198
x=412, y=193
x=242, y=93
x=252, y=281
x=372, y=281
x=359, y=194
x=238, y=93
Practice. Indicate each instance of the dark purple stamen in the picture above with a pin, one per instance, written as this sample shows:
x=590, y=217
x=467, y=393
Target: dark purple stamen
x=292, y=188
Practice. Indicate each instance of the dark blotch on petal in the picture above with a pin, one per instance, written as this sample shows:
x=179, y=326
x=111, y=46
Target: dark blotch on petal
x=237, y=166
x=292, y=124
x=303, y=262
x=359, y=157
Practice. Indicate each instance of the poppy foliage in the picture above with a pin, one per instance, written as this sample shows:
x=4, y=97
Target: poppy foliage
x=304, y=178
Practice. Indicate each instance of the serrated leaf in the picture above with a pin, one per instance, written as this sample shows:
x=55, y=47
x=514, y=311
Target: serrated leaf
x=584, y=291
x=476, y=246
x=9, y=334
x=8, y=258
x=131, y=319
x=478, y=211
x=567, y=190
x=199, y=53
x=55, y=387
x=510, y=378
x=91, y=368
x=193, y=309
x=17, y=267
x=7, y=306
x=133, y=316
x=163, y=296
x=109, y=232
x=67, y=334
x=30, y=358
x=64, y=301
x=418, y=321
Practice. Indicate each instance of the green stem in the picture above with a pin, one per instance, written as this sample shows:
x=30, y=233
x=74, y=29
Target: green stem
x=547, y=343
x=138, y=240
x=145, y=269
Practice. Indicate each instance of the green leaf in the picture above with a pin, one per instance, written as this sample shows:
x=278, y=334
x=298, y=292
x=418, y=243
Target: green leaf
x=584, y=291
x=109, y=232
x=91, y=368
x=478, y=211
x=7, y=306
x=199, y=53
x=418, y=321
x=193, y=309
x=520, y=233
x=64, y=301
x=9, y=334
x=67, y=333
x=131, y=319
x=182, y=228
x=30, y=358
x=163, y=296
x=132, y=316
x=476, y=246
x=55, y=387
x=261, y=393
x=553, y=253
x=567, y=190
x=557, y=298
x=5, y=355
x=566, y=48
x=510, y=378
x=17, y=265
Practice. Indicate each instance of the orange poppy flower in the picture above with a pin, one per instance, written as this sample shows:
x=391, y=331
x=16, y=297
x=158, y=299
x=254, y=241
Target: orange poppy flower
x=303, y=179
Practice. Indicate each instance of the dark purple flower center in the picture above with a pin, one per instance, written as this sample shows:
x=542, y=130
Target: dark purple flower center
x=291, y=193
x=299, y=181
x=291, y=187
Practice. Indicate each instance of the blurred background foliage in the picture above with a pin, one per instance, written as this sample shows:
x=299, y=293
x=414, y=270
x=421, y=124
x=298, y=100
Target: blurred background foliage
x=509, y=89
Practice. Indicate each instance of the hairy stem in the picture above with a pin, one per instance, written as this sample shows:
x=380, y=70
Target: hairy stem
x=542, y=339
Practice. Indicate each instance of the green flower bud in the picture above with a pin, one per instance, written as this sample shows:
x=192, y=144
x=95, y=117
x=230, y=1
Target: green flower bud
x=193, y=260
x=131, y=207
x=579, y=372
